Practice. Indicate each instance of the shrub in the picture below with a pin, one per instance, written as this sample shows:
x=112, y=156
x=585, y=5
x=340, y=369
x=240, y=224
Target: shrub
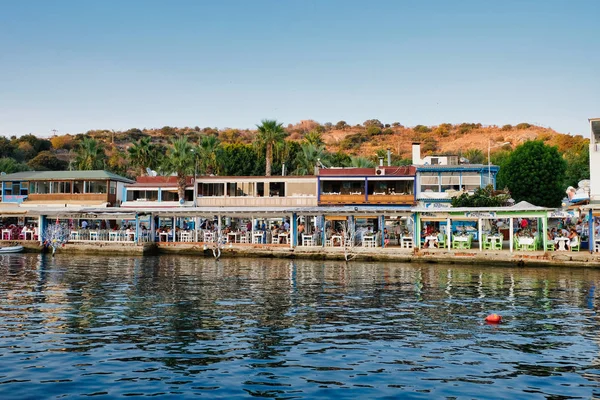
x=372, y=122
x=373, y=130
x=523, y=125
x=421, y=129
x=396, y=124
x=507, y=127
x=443, y=130
x=62, y=142
x=388, y=131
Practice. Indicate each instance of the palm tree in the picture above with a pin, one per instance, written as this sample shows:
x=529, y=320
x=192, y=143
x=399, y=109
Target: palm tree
x=309, y=157
x=179, y=160
x=90, y=155
x=361, y=162
x=143, y=154
x=270, y=134
x=314, y=137
x=475, y=156
x=207, y=154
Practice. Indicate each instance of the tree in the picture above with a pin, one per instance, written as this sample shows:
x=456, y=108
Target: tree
x=143, y=154
x=47, y=161
x=270, y=133
x=482, y=197
x=62, y=142
x=240, y=160
x=373, y=122
x=535, y=173
x=341, y=125
x=315, y=138
x=361, y=162
x=475, y=156
x=207, y=151
x=90, y=155
x=117, y=161
x=179, y=160
x=10, y=165
x=578, y=164
x=311, y=155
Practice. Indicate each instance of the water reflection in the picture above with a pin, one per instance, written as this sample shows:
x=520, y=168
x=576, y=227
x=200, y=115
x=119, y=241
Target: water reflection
x=243, y=327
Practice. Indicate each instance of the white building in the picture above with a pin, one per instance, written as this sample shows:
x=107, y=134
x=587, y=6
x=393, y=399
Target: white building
x=595, y=160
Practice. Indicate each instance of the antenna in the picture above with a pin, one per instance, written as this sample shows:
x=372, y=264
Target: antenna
x=54, y=131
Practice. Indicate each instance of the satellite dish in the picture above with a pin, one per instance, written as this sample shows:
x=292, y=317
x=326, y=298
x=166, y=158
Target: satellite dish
x=149, y=171
x=2, y=173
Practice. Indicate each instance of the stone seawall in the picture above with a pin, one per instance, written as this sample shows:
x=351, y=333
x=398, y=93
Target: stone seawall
x=473, y=256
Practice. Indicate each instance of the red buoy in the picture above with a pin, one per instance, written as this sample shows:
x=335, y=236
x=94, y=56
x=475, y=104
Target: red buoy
x=493, y=318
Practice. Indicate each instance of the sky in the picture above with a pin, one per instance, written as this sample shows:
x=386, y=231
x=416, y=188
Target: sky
x=73, y=66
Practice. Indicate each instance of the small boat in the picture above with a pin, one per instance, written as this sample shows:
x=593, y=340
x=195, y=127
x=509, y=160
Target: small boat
x=11, y=249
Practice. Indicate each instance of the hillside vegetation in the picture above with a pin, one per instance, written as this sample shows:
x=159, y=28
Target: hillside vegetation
x=336, y=144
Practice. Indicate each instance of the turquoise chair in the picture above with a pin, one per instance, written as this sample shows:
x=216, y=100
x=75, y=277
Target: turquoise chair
x=441, y=240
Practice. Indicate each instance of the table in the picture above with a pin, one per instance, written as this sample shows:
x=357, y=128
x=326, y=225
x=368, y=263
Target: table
x=308, y=240
x=334, y=238
x=6, y=234
x=431, y=241
x=235, y=236
x=27, y=232
x=185, y=236
x=283, y=237
x=113, y=235
x=130, y=236
x=74, y=235
x=257, y=237
x=562, y=243
x=406, y=242
x=164, y=235
x=368, y=241
x=93, y=235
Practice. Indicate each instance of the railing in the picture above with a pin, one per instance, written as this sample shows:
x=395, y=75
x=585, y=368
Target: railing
x=69, y=196
x=404, y=199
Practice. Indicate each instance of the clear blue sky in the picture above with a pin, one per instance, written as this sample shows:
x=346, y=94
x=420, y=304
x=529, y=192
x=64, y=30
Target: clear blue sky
x=80, y=65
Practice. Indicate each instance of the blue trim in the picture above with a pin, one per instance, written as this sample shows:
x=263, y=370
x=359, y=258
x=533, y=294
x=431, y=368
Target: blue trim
x=318, y=189
x=366, y=189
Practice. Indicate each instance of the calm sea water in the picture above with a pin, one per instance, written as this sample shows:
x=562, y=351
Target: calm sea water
x=74, y=326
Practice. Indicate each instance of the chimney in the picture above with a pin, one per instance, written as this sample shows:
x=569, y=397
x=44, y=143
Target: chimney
x=389, y=154
x=416, y=153
x=381, y=161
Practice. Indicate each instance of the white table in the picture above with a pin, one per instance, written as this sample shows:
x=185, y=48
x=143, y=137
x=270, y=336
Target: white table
x=113, y=235
x=283, y=237
x=334, y=238
x=74, y=235
x=233, y=237
x=209, y=237
x=368, y=241
x=562, y=243
x=308, y=240
x=163, y=235
x=27, y=232
x=406, y=242
x=257, y=237
x=432, y=241
x=93, y=235
x=185, y=236
x=130, y=236
x=6, y=234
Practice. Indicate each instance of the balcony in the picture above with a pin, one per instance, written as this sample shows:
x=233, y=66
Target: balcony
x=72, y=197
x=392, y=199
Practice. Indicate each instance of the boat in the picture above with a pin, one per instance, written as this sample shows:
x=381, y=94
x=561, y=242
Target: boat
x=11, y=249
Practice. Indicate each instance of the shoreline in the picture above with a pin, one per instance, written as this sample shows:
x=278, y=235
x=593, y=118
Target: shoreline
x=393, y=254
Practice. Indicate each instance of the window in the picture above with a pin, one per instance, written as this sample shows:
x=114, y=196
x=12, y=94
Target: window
x=471, y=180
x=78, y=187
x=113, y=187
x=61, y=187
x=169, y=195
x=95, y=187
x=277, y=189
x=238, y=189
x=39, y=187
x=429, y=182
x=16, y=188
x=450, y=181
x=302, y=188
x=260, y=189
x=142, y=195
x=189, y=195
x=212, y=189
x=391, y=187
x=24, y=188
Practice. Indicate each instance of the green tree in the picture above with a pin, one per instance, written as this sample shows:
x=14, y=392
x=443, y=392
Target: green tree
x=535, y=173
x=315, y=138
x=90, y=155
x=481, y=197
x=208, y=151
x=270, y=134
x=142, y=155
x=475, y=156
x=239, y=159
x=310, y=155
x=47, y=161
x=179, y=160
x=9, y=165
x=361, y=162
x=339, y=159
x=578, y=164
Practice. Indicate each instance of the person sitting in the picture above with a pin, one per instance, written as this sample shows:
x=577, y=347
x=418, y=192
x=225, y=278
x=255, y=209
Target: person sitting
x=386, y=237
